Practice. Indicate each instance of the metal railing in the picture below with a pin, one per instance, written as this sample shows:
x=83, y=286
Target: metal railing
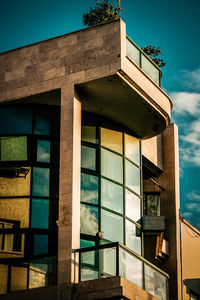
x=114, y=259
x=141, y=59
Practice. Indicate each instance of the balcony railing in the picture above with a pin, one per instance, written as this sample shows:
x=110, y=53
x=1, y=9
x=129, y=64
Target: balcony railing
x=143, y=61
x=114, y=259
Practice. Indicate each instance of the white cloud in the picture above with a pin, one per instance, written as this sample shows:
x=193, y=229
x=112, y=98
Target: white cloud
x=192, y=79
x=186, y=103
x=193, y=206
x=193, y=196
x=187, y=215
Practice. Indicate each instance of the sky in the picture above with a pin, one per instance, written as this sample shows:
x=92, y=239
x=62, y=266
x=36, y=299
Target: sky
x=171, y=24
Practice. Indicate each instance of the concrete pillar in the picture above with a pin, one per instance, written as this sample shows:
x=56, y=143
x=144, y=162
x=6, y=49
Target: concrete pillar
x=69, y=187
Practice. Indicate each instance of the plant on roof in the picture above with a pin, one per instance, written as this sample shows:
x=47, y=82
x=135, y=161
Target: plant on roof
x=103, y=12
x=153, y=53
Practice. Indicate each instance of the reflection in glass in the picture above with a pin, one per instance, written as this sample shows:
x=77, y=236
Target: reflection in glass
x=40, y=213
x=89, y=219
x=132, y=52
x=88, y=134
x=132, y=241
x=112, y=226
x=111, y=195
x=43, y=151
x=155, y=283
x=111, y=165
x=108, y=257
x=150, y=69
x=40, y=186
x=13, y=148
x=86, y=243
x=18, y=279
x=89, y=265
x=46, y=120
x=40, y=244
x=89, y=188
x=132, y=177
x=111, y=139
x=88, y=158
x=130, y=267
x=133, y=210
x=132, y=149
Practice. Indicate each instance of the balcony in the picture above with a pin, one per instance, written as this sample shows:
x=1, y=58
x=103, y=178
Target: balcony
x=114, y=259
x=143, y=61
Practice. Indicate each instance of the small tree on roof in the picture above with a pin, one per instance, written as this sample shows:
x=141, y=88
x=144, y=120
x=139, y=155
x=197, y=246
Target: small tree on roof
x=153, y=53
x=103, y=12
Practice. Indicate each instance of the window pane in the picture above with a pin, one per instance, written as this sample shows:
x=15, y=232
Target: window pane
x=111, y=195
x=40, y=244
x=47, y=121
x=3, y=279
x=112, y=226
x=15, y=120
x=18, y=278
x=89, y=219
x=153, y=205
x=88, y=134
x=89, y=188
x=40, y=213
x=15, y=186
x=43, y=151
x=86, y=243
x=133, y=177
x=111, y=165
x=132, y=241
x=133, y=209
x=132, y=149
x=111, y=139
x=13, y=148
x=132, y=52
x=88, y=158
x=40, y=185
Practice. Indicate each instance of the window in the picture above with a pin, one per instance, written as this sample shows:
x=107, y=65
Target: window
x=8, y=241
x=152, y=204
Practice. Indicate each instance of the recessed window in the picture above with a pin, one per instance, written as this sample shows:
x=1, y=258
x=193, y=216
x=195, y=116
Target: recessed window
x=89, y=219
x=40, y=213
x=88, y=158
x=132, y=177
x=112, y=195
x=112, y=226
x=14, y=148
x=133, y=206
x=40, y=186
x=111, y=165
x=111, y=139
x=89, y=188
x=43, y=151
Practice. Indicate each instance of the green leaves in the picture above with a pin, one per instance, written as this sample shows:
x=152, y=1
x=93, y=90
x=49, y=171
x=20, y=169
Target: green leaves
x=153, y=52
x=102, y=13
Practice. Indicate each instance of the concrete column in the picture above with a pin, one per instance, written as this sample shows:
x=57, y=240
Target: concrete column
x=69, y=186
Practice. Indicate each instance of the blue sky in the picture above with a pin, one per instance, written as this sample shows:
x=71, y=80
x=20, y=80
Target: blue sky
x=171, y=24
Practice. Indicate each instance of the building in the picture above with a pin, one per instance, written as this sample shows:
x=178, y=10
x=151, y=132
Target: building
x=86, y=146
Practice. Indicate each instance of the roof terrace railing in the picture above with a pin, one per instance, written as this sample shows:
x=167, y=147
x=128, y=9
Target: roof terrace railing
x=141, y=59
x=114, y=259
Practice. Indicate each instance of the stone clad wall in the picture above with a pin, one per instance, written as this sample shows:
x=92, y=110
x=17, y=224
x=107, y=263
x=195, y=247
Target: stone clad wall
x=47, y=65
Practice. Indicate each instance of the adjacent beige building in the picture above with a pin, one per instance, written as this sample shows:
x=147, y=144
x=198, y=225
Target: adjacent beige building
x=89, y=172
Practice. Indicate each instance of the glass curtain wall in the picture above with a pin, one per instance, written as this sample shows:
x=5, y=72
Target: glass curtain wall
x=29, y=162
x=110, y=187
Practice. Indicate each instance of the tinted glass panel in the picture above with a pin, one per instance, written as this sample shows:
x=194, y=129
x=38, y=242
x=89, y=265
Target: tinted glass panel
x=133, y=210
x=133, y=177
x=112, y=226
x=13, y=148
x=111, y=139
x=47, y=121
x=40, y=186
x=132, y=52
x=111, y=195
x=132, y=241
x=150, y=69
x=88, y=158
x=40, y=213
x=89, y=188
x=43, y=151
x=88, y=134
x=86, y=243
x=111, y=165
x=89, y=219
x=15, y=120
x=132, y=149
x=40, y=244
